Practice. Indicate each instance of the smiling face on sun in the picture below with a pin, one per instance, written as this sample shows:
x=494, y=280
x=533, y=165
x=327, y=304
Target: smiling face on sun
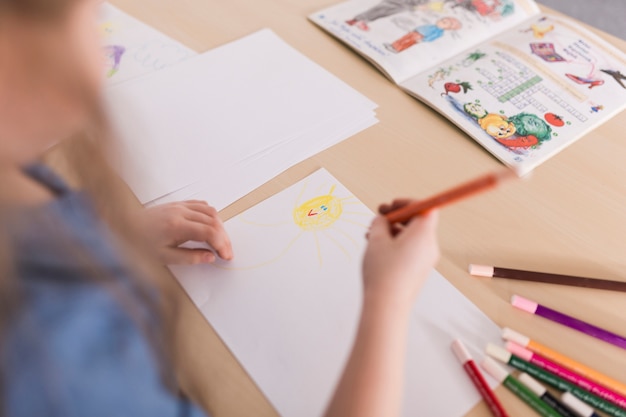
x=319, y=213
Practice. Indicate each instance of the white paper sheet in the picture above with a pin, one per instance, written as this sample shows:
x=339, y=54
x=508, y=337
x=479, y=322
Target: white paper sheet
x=133, y=48
x=288, y=306
x=201, y=117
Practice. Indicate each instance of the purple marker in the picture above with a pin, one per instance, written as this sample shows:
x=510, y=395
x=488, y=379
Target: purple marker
x=571, y=322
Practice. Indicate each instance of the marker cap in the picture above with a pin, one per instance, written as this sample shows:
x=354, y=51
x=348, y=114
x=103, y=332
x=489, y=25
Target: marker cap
x=461, y=351
x=494, y=369
x=532, y=384
x=515, y=337
x=576, y=405
x=524, y=304
x=481, y=271
x=519, y=351
x=498, y=353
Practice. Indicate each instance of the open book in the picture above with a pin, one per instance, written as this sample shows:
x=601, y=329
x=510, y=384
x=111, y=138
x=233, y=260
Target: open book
x=522, y=84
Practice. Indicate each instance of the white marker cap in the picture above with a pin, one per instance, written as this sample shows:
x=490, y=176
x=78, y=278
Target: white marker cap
x=461, y=352
x=481, y=271
x=524, y=304
x=576, y=405
x=494, y=369
x=498, y=353
x=515, y=337
x=532, y=384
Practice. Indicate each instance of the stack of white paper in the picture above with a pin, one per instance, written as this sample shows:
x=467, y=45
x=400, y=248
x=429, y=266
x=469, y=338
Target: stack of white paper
x=225, y=122
x=288, y=306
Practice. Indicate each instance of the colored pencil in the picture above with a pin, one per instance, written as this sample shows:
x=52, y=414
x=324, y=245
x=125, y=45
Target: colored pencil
x=541, y=391
x=501, y=375
x=571, y=322
x=564, y=361
x=554, y=381
x=567, y=375
x=477, y=379
x=496, y=272
x=580, y=408
x=461, y=192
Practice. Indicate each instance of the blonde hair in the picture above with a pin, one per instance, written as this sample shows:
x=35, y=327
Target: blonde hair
x=82, y=158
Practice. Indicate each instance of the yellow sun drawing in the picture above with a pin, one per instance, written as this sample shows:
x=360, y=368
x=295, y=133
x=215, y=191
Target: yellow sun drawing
x=324, y=218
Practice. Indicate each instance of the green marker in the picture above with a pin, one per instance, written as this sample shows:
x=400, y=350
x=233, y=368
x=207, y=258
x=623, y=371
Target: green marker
x=500, y=374
x=554, y=381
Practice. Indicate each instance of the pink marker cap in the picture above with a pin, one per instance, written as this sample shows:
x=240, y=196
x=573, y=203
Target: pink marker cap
x=461, y=352
x=519, y=351
x=524, y=304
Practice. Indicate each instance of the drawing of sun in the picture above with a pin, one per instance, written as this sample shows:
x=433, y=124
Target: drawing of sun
x=324, y=226
x=318, y=213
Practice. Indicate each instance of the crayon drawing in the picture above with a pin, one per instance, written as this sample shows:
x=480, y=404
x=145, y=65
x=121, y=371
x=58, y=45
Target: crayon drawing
x=114, y=54
x=321, y=220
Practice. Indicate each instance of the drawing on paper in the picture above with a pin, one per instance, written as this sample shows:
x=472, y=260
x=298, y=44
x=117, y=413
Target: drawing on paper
x=315, y=223
x=114, y=54
x=319, y=213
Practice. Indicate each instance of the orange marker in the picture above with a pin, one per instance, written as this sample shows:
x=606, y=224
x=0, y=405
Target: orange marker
x=461, y=192
x=564, y=361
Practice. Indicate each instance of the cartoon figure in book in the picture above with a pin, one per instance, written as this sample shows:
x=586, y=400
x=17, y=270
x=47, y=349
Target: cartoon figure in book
x=487, y=8
x=384, y=9
x=424, y=33
x=522, y=131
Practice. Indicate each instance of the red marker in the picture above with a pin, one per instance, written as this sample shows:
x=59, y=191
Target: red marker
x=478, y=379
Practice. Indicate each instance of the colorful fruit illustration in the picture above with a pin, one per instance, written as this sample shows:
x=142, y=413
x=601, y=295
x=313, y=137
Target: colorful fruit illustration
x=456, y=88
x=554, y=120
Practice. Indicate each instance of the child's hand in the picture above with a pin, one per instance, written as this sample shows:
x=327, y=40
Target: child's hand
x=170, y=225
x=399, y=259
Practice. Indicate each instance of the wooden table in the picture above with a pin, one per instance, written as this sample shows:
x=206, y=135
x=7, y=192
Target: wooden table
x=570, y=218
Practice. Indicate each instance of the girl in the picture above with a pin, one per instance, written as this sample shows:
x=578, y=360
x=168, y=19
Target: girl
x=83, y=317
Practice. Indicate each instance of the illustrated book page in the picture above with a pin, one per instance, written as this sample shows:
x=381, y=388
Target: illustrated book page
x=405, y=37
x=530, y=92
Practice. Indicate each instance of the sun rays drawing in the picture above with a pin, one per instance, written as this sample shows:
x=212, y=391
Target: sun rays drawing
x=325, y=220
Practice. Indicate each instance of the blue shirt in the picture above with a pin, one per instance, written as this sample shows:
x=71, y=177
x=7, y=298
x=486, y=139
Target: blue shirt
x=430, y=32
x=72, y=349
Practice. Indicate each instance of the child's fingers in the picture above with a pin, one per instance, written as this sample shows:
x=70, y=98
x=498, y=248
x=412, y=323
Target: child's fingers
x=183, y=256
x=395, y=205
x=379, y=230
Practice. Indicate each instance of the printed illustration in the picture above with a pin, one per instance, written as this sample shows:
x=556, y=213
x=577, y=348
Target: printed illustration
x=524, y=130
x=114, y=54
x=493, y=9
x=385, y=8
x=546, y=51
x=539, y=31
x=424, y=33
x=586, y=81
x=617, y=76
x=554, y=120
x=456, y=88
x=597, y=108
x=487, y=8
x=442, y=73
